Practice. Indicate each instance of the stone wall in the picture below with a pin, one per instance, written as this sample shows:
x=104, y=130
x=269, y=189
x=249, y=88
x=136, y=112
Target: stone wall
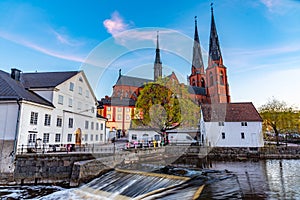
x=6, y=156
x=46, y=168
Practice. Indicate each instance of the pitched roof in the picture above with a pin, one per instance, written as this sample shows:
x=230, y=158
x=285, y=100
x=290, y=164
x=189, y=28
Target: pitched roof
x=14, y=90
x=196, y=90
x=230, y=112
x=117, y=102
x=45, y=79
x=132, y=81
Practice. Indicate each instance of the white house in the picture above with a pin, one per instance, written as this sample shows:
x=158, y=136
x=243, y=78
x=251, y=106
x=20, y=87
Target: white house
x=48, y=109
x=231, y=125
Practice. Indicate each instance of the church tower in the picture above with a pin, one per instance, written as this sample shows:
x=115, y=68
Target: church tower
x=197, y=77
x=216, y=72
x=157, y=62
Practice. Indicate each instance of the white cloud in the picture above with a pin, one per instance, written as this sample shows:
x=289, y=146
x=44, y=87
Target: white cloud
x=115, y=24
x=65, y=39
x=25, y=42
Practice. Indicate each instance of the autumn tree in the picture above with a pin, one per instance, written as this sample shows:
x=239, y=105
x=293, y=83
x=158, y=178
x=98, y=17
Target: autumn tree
x=280, y=117
x=165, y=105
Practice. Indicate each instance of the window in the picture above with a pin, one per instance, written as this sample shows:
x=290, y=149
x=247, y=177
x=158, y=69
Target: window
x=97, y=126
x=58, y=121
x=202, y=82
x=47, y=120
x=108, y=116
x=101, y=137
x=127, y=117
x=71, y=87
x=92, y=109
x=33, y=118
x=119, y=117
x=101, y=126
x=221, y=78
x=80, y=79
x=127, y=109
x=87, y=94
x=242, y=135
x=134, y=136
x=79, y=107
x=211, y=79
x=79, y=90
x=108, y=108
x=70, y=122
x=221, y=123
x=119, y=109
x=60, y=99
x=86, y=126
x=92, y=137
x=92, y=125
x=31, y=138
x=86, y=137
x=70, y=102
x=69, y=138
x=244, y=123
x=57, y=137
x=97, y=138
x=223, y=135
x=46, y=137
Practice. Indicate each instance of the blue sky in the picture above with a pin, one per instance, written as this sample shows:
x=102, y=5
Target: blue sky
x=259, y=41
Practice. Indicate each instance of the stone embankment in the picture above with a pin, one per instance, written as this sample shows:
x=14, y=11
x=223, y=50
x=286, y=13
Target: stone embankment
x=75, y=168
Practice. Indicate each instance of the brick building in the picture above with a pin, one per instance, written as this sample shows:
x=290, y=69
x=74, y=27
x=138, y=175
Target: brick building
x=208, y=85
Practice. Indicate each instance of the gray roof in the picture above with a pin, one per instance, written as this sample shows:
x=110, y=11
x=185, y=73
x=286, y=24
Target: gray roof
x=116, y=101
x=11, y=89
x=132, y=81
x=45, y=79
x=197, y=90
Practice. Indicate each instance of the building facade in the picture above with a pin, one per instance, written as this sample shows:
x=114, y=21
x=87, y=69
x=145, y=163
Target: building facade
x=231, y=125
x=49, y=110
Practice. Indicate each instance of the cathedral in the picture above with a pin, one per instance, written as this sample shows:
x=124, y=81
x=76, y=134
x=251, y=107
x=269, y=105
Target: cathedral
x=206, y=86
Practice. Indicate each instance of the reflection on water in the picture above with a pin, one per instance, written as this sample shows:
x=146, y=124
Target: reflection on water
x=270, y=179
x=266, y=179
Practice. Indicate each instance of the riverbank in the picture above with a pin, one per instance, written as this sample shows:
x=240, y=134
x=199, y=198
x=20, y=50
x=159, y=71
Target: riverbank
x=73, y=168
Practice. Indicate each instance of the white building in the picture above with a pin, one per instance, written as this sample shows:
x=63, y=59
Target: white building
x=47, y=109
x=231, y=125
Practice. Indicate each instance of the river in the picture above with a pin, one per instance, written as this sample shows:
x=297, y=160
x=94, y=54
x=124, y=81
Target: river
x=264, y=179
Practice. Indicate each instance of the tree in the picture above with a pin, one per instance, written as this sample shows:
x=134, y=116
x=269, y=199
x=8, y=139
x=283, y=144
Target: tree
x=280, y=117
x=165, y=105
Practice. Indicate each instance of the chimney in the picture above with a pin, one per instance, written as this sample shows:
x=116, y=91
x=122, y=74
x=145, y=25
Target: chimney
x=15, y=74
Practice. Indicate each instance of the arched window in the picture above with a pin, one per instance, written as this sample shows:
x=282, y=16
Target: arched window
x=202, y=82
x=211, y=79
x=221, y=78
x=193, y=82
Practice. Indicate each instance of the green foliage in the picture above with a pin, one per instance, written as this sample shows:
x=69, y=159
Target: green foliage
x=165, y=105
x=280, y=117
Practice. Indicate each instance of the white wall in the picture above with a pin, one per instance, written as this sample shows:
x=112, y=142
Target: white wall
x=233, y=130
x=8, y=120
x=87, y=112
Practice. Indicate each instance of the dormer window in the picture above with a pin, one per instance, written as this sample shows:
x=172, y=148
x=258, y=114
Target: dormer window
x=244, y=124
x=221, y=123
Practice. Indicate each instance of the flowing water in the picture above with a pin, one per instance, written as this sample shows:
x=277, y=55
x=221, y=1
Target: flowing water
x=270, y=179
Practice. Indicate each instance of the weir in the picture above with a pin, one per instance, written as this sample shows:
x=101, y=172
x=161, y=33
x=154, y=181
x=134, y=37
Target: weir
x=132, y=184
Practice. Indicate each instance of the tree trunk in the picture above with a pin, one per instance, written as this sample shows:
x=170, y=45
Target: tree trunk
x=277, y=136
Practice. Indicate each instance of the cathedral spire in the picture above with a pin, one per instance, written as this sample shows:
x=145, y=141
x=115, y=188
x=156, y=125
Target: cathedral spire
x=197, y=55
x=157, y=62
x=214, y=47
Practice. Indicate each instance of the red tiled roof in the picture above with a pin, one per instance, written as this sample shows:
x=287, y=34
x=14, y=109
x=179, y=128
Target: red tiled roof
x=230, y=112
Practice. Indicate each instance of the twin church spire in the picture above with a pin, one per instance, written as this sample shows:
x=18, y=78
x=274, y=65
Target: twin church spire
x=213, y=80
